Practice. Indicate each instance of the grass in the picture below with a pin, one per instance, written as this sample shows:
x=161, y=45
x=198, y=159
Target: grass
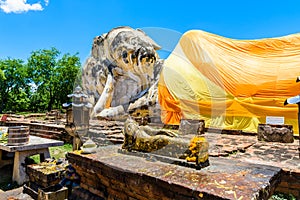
x=55, y=152
x=282, y=196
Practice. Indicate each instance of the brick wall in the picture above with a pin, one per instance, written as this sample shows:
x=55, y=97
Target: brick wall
x=290, y=184
x=103, y=182
x=109, y=174
x=99, y=181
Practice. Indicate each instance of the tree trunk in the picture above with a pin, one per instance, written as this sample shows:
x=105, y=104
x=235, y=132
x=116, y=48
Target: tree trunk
x=50, y=101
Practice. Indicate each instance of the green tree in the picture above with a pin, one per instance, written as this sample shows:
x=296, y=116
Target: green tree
x=14, y=85
x=42, y=69
x=2, y=77
x=52, y=77
x=67, y=71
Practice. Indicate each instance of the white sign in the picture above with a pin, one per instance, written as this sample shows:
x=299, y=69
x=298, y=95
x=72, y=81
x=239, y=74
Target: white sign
x=274, y=120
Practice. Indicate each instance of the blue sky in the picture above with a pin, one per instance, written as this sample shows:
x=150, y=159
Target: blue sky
x=71, y=25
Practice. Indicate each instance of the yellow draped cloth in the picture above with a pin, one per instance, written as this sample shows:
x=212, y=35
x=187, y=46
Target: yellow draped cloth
x=232, y=84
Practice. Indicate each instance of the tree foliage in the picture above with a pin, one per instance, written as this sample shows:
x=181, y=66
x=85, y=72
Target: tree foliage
x=41, y=84
x=14, y=86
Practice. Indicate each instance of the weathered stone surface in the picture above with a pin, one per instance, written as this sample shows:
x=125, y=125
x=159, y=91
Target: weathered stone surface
x=192, y=127
x=275, y=133
x=138, y=178
x=35, y=143
x=147, y=139
x=167, y=143
x=104, y=132
x=123, y=67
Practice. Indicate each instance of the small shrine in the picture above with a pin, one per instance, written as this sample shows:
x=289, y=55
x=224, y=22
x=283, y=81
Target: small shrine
x=78, y=111
x=78, y=116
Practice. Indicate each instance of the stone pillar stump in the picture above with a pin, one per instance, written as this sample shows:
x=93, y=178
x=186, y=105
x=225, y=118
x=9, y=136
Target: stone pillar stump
x=275, y=133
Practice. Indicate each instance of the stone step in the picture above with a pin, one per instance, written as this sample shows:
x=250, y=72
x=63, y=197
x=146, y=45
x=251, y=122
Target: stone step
x=106, y=127
x=43, y=135
x=35, y=130
x=116, y=136
x=103, y=131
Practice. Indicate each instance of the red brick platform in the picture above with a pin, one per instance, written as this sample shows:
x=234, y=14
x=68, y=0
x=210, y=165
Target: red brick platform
x=241, y=166
x=111, y=175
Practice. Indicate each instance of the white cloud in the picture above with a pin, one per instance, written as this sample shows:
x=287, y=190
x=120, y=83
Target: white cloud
x=20, y=6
